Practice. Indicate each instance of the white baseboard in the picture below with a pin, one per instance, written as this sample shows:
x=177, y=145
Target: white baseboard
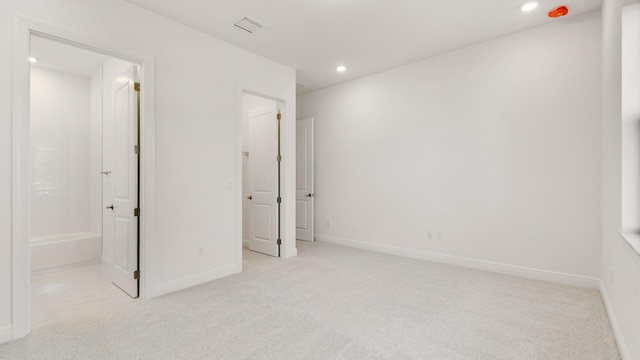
x=520, y=271
x=194, y=280
x=615, y=326
x=6, y=334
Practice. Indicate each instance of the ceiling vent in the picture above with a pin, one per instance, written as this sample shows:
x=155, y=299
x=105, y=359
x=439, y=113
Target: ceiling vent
x=248, y=25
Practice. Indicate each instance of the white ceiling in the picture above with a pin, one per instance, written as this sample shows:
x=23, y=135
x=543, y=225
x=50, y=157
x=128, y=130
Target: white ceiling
x=65, y=58
x=368, y=36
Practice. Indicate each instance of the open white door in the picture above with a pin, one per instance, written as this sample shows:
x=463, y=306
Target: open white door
x=124, y=179
x=263, y=180
x=304, y=179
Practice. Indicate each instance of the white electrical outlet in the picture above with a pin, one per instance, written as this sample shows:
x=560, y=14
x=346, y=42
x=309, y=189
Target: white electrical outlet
x=328, y=223
x=429, y=235
x=200, y=251
x=438, y=236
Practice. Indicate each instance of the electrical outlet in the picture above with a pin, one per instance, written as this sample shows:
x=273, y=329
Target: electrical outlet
x=438, y=236
x=200, y=251
x=328, y=223
x=429, y=235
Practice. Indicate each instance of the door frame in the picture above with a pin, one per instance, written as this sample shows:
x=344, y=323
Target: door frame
x=287, y=171
x=24, y=28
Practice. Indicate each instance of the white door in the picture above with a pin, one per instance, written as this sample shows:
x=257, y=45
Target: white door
x=124, y=178
x=304, y=179
x=263, y=180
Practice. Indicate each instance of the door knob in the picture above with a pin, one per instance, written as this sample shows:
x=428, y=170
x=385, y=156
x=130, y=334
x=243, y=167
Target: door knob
x=110, y=207
x=250, y=197
x=105, y=172
x=309, y=195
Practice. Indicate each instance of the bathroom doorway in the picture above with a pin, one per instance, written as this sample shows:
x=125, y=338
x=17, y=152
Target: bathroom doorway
x=84, y=171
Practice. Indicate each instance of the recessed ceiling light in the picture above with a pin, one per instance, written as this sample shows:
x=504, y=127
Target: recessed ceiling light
x=529, y=6
x=33, y=60
x=341, y=68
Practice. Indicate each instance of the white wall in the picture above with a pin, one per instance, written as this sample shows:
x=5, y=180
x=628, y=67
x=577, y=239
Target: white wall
x=631, y=119
x=95, y=153
x=197, y=106
x=5, y=175
x=495, y=146
x=60, y=129
x=620, y=272
x=249, y=102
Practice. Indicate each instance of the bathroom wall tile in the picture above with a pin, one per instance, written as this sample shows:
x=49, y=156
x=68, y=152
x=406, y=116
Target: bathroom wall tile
x=60, y=150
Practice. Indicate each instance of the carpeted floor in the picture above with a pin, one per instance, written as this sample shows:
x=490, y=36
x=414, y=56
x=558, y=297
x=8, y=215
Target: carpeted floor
x=340, y=303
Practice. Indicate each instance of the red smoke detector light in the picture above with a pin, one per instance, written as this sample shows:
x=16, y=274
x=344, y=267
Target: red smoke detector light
x=559, y=12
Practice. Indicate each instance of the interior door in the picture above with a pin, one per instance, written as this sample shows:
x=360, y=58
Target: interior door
x=263, y=180
x=125, y=182
x=304, y=179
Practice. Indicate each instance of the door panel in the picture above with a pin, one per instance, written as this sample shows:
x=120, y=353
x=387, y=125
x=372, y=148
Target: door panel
x=125, y=182
x=121, y=254
x=304, y=179
x=262, y=221
x=301, y=214
x=263, y=180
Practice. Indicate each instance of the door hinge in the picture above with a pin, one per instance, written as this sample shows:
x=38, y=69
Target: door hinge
x=279, y=200
x=136, y=274
x=279, y=241
x=136, y=212
x=136, y=86
x=279, y=158
x=136, y=149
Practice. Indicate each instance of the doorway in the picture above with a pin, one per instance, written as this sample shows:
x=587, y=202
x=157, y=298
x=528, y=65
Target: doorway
x=261, y=174
x=84, y=180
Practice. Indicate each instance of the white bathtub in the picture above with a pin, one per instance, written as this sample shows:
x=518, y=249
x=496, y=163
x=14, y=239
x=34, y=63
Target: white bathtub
x=54, y=251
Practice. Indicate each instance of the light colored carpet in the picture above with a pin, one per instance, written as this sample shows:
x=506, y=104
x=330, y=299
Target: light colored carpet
x=340, y=303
